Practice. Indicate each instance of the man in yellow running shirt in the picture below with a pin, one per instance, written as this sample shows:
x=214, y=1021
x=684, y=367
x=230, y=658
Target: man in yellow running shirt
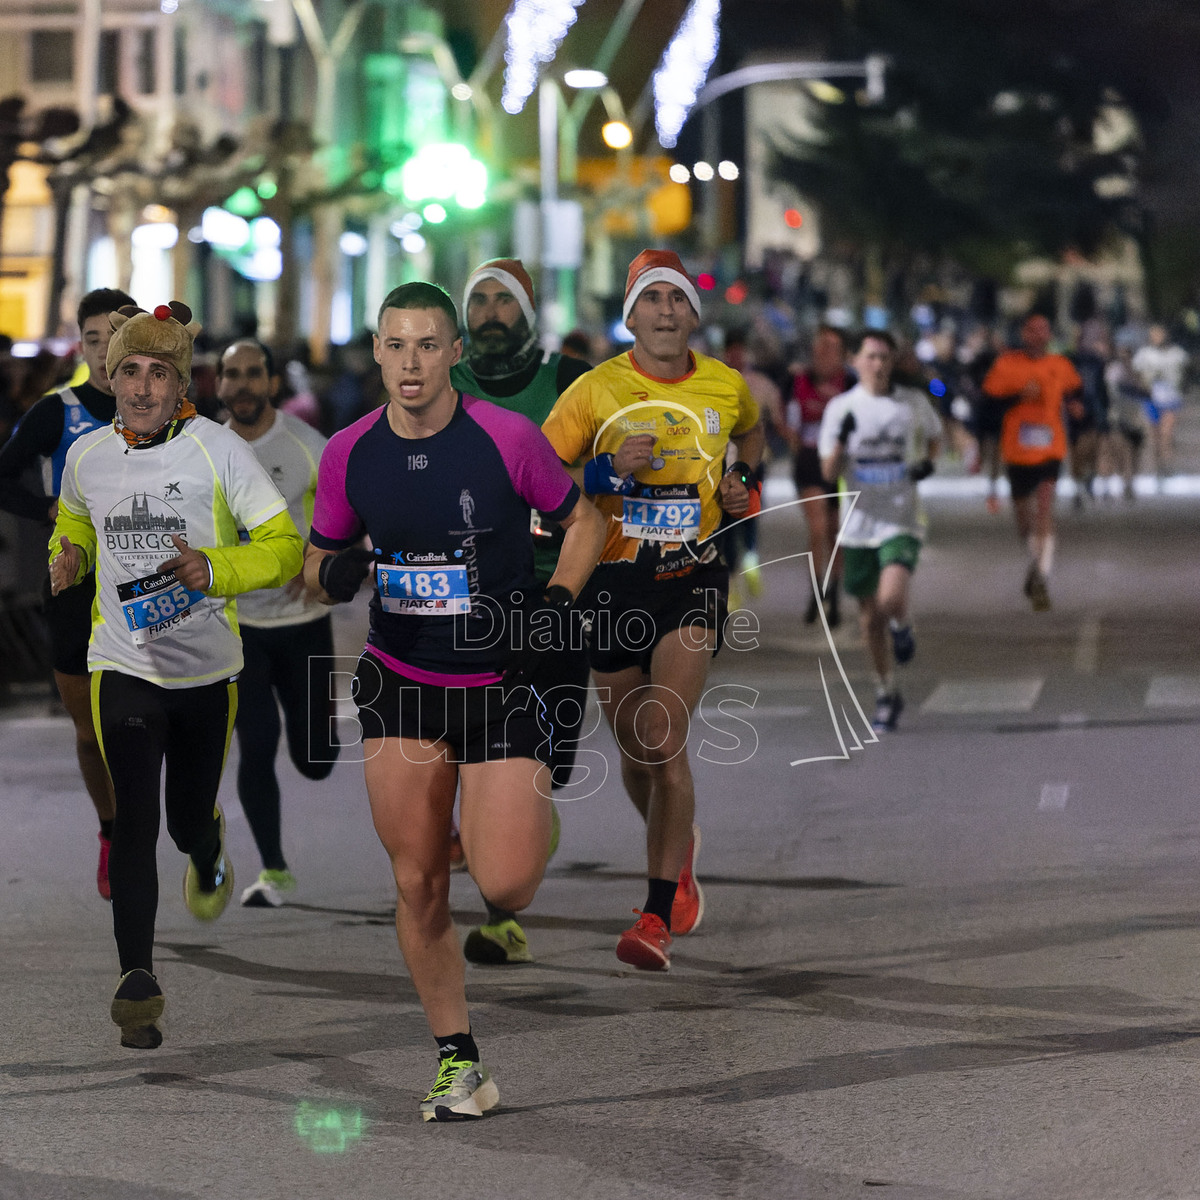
x=650, y=429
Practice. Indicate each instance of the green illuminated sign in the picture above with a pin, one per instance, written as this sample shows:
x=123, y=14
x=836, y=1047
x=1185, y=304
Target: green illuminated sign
x=443, y=172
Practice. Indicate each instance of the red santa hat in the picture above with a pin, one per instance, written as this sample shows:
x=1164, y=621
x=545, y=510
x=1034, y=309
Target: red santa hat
x=657, y=266
x=511, y=273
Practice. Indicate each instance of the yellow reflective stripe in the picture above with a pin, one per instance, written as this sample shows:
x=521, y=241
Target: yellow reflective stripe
x=95, y=693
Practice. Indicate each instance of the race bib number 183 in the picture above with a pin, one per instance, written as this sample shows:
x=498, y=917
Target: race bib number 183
x=155, y=606
x=423, y=584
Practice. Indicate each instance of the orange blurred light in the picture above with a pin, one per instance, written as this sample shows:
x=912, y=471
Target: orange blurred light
x=735, y=293
x=792, y=218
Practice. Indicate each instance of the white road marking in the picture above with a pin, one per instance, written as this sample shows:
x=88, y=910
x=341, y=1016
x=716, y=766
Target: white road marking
x=1087, y=646
x=1173, y=691
x=779, y=489
x=959, y=697
x=1054, y=797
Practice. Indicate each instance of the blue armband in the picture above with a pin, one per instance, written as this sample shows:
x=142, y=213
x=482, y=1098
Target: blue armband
x=601, y=479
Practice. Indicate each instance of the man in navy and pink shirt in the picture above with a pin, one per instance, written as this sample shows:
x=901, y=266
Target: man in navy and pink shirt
x=443, y=485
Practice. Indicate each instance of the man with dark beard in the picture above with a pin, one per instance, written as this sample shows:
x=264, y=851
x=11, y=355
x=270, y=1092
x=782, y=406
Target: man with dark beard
x=503, y=363
x=287, y=636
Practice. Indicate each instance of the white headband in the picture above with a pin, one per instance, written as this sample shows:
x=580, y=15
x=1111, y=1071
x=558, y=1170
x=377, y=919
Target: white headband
x=510, y=281
x=660, y=275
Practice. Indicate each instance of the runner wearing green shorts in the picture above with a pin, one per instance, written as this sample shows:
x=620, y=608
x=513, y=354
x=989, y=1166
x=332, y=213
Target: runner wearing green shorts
x=863, y=565
x=884, y=440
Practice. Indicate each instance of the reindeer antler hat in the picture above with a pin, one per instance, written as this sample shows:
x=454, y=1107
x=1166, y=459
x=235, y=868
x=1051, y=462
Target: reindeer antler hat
x=167, y=334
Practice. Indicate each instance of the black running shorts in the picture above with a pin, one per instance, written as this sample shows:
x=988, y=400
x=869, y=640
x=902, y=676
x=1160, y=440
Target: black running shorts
x=1023, y=480
x=806, y=472
x=476, y=724
x=627, y=623
x=69, y=620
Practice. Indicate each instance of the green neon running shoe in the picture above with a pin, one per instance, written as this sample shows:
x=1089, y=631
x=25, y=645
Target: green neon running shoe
x=207, y=904
x=497, y=945
x=463, y=1090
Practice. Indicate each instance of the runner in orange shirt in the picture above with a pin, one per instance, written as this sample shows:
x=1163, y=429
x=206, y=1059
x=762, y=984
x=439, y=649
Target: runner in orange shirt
x=1034, y=385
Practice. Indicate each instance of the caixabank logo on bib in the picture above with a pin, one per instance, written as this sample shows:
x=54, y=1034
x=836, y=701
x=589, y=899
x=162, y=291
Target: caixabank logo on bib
x=137, y=532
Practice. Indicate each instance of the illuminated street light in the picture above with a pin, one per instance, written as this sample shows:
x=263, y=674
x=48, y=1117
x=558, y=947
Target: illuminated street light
x=409, y=223
x=616, y=134
x=703, y=171
x=727, y=169
x=156, y=236
x=224, y=229
x=679, y=173
x=826, y=92
x=462, y=91
x=579, y=78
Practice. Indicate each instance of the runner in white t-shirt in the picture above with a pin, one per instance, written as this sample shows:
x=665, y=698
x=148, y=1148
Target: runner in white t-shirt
x=884, y=440
x=287, y=634
x=1161, y=365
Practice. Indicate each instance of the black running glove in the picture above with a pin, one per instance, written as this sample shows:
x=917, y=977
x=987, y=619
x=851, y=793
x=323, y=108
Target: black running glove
x=545, y=630
x=920, y=470
x=849, y=425
x=341, y=575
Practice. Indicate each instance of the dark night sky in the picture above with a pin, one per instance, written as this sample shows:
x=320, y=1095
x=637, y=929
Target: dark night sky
x=1150, y=47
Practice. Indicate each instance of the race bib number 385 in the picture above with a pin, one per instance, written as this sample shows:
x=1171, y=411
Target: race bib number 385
x=155, y=606
x=430, y=585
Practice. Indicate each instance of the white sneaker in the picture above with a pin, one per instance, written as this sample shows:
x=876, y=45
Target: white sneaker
x=267, y=890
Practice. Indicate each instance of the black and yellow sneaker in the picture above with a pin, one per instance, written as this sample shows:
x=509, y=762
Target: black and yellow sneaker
x=207, y=901
x=462, y=1091
x=497, y=945
x=136, y=1006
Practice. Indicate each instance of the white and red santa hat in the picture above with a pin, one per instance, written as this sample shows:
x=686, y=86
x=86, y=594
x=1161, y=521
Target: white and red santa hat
x=657, y=266
x=510, y=273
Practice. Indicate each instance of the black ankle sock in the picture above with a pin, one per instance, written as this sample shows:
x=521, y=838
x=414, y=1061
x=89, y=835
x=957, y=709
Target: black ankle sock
x=457, y=1045
x=660, y=898
x=497, y=914
x=106, y=828
x=205, y=859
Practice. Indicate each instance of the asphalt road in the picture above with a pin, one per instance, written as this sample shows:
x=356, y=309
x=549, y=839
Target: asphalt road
x=957, y=961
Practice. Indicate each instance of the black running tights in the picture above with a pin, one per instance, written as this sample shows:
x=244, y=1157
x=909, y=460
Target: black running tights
x=140, y=726
x=295, y=664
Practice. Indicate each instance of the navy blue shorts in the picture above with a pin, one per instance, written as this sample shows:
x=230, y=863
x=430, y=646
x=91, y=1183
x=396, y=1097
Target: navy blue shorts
x=476, y=724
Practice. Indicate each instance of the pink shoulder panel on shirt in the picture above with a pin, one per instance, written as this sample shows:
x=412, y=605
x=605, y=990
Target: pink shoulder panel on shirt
x=333, y=518
x=536, y=473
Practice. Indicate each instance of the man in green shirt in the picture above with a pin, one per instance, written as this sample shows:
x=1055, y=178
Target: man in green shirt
x=505, y=364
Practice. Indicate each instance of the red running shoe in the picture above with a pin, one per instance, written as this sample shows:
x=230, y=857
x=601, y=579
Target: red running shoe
x=647, y=945
x=688, y=908
x=102, y=868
